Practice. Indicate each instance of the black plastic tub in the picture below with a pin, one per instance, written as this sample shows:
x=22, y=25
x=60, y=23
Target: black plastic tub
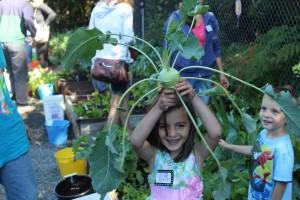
x=73, y=187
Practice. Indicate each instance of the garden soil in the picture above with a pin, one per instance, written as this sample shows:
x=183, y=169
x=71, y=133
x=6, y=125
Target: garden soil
x=42, y=153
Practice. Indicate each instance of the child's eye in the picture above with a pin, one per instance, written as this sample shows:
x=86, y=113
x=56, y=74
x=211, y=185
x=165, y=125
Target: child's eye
x=181, y=125
x=276, y=111
x=263, y=108
x=162, y=126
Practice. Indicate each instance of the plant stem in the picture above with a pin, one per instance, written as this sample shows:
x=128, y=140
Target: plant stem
x=123, y=96
x=155, y=68
x=140, y=39
x=220, y=72
x=226, y=92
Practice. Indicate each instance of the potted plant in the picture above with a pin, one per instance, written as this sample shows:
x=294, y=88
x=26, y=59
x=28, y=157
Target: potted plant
x=41, y=80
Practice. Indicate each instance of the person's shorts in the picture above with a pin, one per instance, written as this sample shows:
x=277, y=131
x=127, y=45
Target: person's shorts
x=99, y=86
x=118, y=89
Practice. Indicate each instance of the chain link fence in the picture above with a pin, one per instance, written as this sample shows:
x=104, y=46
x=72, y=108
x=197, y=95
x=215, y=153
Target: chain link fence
x=260, y=39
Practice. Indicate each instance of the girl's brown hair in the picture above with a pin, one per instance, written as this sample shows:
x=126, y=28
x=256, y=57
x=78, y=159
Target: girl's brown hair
x=154, y=138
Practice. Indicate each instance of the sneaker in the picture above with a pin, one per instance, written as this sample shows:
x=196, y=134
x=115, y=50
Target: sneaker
x=22, y=109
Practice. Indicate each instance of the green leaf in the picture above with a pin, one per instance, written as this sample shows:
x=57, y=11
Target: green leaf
x=82, y=46
x=249, y=122
x=223, y=191
x=218, y=90
x=201, y=9
x=104, y=173
x=191, y=48
x=81, y=153
x=192, y=8
x=291, y=111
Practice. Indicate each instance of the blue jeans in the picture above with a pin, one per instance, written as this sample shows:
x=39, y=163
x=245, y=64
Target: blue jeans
x=18, y=179
x=203, y=85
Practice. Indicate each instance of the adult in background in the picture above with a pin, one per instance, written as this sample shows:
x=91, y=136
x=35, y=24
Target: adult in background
x=115, y=16
x=16, y=169
x=43, y=16
x=206, y=29
x=16, y=16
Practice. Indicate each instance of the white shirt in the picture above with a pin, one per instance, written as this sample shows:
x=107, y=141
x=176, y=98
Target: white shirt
x=117, y=19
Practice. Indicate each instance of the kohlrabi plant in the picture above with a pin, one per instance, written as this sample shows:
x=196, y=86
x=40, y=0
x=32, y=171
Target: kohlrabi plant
x=105, y=155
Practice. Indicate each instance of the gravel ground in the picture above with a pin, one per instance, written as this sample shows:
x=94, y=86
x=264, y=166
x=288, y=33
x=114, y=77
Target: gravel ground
x=42, y=153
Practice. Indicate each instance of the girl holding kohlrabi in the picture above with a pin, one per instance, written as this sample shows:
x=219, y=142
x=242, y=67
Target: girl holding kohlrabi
x=165, y=139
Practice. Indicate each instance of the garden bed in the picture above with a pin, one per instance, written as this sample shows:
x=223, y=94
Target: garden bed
x=73, y=88
x=89, y=125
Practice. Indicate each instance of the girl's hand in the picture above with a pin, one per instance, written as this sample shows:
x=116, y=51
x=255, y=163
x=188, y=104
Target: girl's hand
x=166, y=100
x=185, y=88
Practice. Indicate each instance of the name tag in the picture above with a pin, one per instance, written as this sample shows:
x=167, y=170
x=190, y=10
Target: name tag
x=164, y=178
x=208, y=28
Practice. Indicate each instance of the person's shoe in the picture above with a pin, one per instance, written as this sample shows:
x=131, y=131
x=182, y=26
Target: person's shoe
x=22, y=109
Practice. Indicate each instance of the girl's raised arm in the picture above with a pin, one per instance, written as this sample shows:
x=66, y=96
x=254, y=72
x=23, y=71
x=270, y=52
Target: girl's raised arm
x=208, y=119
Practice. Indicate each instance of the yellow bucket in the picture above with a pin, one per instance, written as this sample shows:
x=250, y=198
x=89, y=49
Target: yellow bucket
x=66, y=164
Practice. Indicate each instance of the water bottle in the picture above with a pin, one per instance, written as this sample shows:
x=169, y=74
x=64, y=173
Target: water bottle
x=34, y=54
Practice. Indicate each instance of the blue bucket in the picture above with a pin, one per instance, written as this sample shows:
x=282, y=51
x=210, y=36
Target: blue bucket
x=45, y=90
x=57, y=131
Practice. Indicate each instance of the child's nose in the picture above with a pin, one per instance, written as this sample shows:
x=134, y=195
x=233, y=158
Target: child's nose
x=266, y=113
x=172, y=132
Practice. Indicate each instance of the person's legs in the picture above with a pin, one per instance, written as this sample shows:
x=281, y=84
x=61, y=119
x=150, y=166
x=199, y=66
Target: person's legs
x=42, y=52
x=18, y=179
x=117, y=91
x=15, y=55
x=200, y=85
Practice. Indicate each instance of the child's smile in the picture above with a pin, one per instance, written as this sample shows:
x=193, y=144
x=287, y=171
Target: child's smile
x=175, y=131
x=271, y=116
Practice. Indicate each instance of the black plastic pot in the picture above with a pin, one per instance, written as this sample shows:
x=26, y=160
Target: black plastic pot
x=73, y=187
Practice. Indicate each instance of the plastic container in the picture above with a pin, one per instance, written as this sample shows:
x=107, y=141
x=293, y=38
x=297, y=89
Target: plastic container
x=57, y=131
x=45, y=90
x=34, y=54
x=67, y=165
x=73, y=187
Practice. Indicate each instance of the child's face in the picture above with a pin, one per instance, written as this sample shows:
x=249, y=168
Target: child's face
x=271, y=116
x=178, y=127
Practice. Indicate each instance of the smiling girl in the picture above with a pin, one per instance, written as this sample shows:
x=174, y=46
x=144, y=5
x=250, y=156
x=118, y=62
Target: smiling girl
x=165, y=139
